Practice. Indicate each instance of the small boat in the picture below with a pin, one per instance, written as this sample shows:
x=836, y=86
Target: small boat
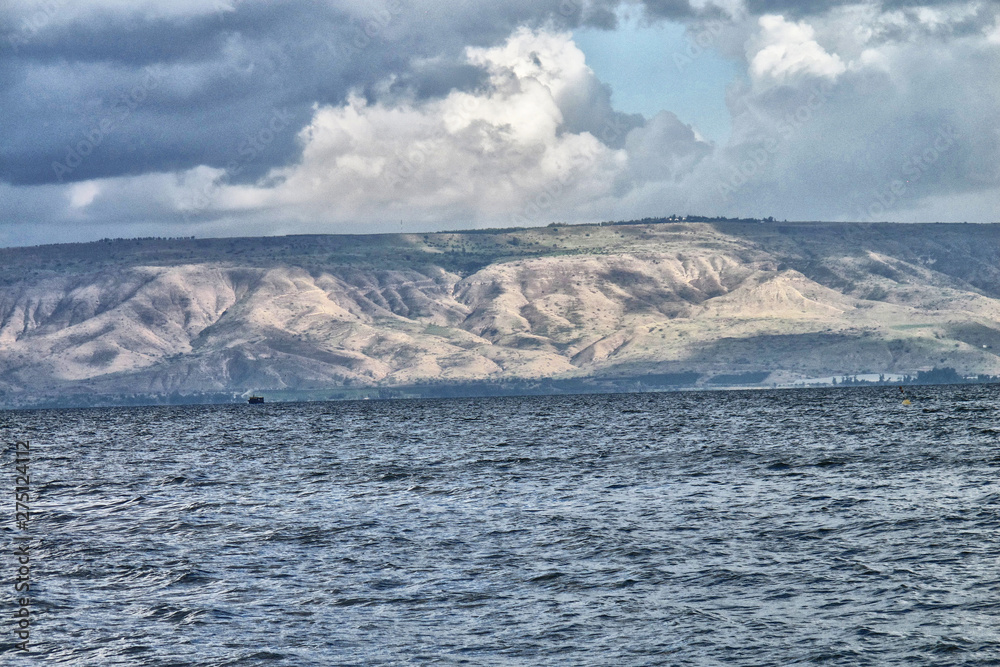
x=255, y=399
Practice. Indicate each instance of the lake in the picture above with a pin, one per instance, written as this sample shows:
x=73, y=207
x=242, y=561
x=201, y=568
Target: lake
x=812, y=526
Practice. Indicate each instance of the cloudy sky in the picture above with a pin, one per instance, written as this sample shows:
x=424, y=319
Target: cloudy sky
x=249, y=117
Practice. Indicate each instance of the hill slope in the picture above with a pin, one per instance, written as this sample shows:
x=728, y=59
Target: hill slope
x=315, y=312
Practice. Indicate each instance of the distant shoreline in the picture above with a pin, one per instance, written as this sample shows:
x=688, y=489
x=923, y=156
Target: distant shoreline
x=447, y=391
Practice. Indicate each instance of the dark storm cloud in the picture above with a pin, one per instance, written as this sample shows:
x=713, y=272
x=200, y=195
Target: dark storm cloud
x=82, y=85
x=196, y=106
x=812, y=7
x=672, y=9
x=113, y=38
x=75, y=79
x=141, y=96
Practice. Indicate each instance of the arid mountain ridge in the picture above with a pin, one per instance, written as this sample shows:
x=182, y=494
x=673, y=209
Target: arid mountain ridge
x=304, y=315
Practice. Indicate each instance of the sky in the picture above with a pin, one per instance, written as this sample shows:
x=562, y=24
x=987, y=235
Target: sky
x=125, y=118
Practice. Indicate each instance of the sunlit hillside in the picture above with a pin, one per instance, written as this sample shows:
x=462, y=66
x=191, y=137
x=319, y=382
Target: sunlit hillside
x=156, y=317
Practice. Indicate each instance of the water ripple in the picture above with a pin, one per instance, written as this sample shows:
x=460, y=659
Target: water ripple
x=737, y=528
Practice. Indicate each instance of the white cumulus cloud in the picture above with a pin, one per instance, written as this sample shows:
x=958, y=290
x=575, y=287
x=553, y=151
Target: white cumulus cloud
x=498, y=155
x=838, y=116
x=786, y=49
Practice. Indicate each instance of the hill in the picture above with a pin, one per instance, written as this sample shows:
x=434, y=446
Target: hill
x=668, y=304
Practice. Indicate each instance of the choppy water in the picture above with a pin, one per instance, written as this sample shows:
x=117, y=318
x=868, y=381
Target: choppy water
x=832, y=527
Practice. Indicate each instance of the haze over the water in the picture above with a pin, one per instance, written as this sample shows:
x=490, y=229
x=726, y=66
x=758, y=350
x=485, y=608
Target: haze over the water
x=135, y=118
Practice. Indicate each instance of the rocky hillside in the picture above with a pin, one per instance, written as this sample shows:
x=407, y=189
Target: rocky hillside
x=310, y=313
